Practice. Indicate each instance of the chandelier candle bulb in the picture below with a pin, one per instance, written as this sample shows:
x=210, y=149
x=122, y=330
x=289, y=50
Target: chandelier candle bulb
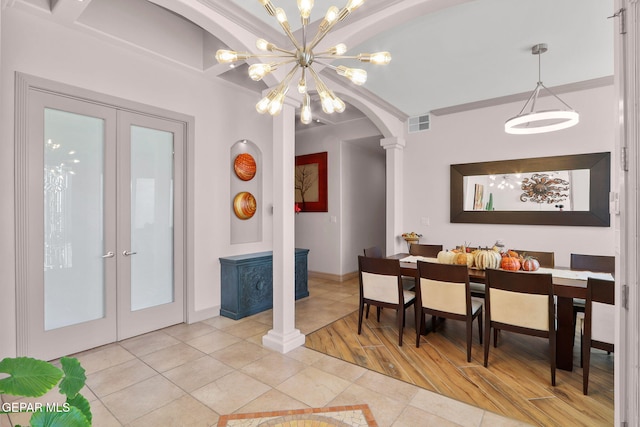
x=378, y=58
x=305, y=112
x=258, y=71
x=305, y=6
x=269, y=6
x=356, y=75
x=226, y=56
x=264, y=45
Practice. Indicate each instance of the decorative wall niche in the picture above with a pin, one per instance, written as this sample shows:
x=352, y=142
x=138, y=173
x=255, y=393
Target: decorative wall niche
x=245, y=195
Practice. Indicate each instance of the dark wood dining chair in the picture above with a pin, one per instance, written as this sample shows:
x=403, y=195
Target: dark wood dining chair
x=381, y=286
x=595, y=263
x=373, y=252
x=430, y=251
x=598, y=329
x=443, y=291
x=520, y=302
x=546, y=259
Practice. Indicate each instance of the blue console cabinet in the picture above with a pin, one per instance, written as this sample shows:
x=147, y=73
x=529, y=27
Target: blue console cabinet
x=247, y=282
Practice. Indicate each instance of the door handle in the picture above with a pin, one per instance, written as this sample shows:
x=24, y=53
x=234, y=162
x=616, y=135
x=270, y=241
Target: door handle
x=127, y=253
x=108, y=255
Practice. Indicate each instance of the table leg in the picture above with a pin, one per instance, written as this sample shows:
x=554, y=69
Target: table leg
x=565, y=334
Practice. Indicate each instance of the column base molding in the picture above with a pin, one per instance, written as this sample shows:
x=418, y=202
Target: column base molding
x=283, y=343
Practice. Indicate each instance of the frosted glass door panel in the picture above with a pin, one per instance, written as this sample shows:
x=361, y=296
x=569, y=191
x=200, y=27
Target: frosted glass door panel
x=74, y=277
x=151, y=218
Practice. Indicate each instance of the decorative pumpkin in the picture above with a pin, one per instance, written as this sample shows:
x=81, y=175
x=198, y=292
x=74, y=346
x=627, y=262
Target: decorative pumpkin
x=512, y=253
x=463, y=258
x=487, y=259
x=530, y=264
x=446, y=257
x=510, y=263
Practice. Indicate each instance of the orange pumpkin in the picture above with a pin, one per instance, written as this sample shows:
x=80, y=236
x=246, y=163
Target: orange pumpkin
x=510, y=263
x=513, y=253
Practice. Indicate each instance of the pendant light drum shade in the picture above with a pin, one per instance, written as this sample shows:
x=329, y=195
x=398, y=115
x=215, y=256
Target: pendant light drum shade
x=532, y=122
x=541, y=122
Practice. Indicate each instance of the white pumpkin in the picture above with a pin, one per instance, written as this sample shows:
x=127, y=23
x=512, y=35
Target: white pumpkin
x=446, y=257
x=487, y=259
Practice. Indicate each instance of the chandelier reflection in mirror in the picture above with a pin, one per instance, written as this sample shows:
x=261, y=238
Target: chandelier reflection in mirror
x=303, y=57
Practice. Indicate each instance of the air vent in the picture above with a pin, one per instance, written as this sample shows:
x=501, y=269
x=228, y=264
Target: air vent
x=418, y=123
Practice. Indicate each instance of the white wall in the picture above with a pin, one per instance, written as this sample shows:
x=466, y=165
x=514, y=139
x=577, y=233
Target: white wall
x=34, y=46
x=363, y=200
x=314, y=230
x=478, y=135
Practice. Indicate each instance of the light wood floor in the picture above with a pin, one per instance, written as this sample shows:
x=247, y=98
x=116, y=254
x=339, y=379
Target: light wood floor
x=516, y=384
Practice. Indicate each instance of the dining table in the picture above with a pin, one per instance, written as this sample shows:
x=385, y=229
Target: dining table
x=567, y=285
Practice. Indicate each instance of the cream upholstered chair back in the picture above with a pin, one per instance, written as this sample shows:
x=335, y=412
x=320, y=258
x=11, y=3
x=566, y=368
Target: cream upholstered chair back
x=603, y=322
x=520, y=302
x=380, y=287
x=443, y=295
x=443, y=291
x=520, y=309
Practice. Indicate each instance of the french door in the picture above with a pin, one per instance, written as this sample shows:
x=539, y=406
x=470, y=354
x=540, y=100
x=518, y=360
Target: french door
x=105, y=253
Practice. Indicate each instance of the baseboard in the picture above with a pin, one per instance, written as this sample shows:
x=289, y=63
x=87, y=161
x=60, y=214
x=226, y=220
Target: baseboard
x=200, y=315
x=332, y=277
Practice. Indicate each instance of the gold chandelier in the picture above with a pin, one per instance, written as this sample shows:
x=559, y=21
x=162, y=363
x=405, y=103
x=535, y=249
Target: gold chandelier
x=303, y=57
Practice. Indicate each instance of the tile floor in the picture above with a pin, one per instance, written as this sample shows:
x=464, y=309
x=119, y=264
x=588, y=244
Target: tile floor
x=189, y=375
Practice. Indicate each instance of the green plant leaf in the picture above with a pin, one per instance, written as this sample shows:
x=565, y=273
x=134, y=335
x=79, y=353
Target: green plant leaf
x=74, y=376
x=28, y=377
x=82, y=404
x=73, y=418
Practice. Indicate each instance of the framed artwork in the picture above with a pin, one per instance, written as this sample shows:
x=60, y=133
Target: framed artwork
x=311, y=182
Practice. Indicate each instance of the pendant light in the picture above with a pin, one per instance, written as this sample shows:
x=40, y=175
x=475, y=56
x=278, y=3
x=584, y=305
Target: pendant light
x=533, y=121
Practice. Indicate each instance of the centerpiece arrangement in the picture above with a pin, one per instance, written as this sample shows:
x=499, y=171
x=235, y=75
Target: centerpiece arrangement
x=484, y=258
x=411, y=238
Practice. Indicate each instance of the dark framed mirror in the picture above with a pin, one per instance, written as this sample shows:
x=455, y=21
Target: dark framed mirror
x=559, y=190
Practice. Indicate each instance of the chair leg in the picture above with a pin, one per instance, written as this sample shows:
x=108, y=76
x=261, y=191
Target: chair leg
x=495, y=337
x=480, y=325
x=378, y=312
x=433, y=323
x=586, y=357
x=400, y=325
x=469, y=334
x=368, y=306
x=360, y=310
x=419, y=317
x=487, y=340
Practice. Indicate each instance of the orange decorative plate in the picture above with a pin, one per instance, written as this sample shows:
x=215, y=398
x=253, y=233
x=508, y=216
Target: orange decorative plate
x=244, y=205
x=245, y=166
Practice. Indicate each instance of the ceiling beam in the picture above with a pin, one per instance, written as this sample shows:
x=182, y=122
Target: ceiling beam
x=571, y=87
x=68, y=11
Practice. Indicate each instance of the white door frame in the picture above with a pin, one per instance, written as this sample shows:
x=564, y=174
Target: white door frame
x=24, y=83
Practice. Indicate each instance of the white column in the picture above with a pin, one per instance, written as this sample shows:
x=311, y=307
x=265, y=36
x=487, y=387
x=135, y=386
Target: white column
x=283, y=337
x=394, y=147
